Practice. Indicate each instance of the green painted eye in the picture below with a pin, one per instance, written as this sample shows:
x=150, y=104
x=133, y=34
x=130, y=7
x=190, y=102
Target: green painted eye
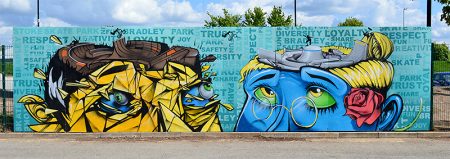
x=206, y=90
x=120, y=98
x=320, y=97
x=207, y=87
x=266, y=95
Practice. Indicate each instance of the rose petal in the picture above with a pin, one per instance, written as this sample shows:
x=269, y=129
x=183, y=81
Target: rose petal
x=373, y=117
x=359, y=99
x=377, y=111
x=352, y=114
x=360, y=121
x=361, y=110
x=346, y=101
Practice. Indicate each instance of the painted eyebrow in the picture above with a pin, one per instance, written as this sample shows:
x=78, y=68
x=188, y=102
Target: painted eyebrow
x=323, y=78
x=268, y=76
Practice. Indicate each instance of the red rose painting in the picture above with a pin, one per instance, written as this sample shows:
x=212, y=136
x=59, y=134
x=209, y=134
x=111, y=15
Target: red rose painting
x=363, y=105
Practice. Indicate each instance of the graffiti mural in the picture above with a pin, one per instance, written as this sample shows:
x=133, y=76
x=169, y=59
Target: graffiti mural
x=134, y=86
x=331, y=88
x=242, y=79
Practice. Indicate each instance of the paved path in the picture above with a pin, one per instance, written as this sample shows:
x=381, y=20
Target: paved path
x=224, y=148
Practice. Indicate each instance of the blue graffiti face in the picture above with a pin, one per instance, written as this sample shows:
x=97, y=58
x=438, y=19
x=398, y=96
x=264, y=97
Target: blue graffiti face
x=309, y=100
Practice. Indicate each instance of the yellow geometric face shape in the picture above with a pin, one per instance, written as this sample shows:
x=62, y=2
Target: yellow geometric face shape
x=119, y=98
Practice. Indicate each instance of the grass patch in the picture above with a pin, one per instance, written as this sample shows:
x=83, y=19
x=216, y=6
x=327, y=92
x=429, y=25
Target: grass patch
x=8, y=67
x=441, y=66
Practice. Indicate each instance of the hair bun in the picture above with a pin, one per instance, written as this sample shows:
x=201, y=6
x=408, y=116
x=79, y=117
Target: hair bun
x=379, y=46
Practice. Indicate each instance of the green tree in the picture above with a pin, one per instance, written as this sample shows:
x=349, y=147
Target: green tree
x=227, y=20
x=440, y=52
x=445, y=11
x=257, y=17
x=277, y=18
x=351, y=21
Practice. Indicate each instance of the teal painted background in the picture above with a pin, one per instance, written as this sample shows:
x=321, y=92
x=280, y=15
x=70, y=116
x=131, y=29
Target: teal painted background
x=411, y=59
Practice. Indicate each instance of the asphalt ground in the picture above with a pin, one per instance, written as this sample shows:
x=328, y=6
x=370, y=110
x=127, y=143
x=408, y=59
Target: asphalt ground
x=198, y=148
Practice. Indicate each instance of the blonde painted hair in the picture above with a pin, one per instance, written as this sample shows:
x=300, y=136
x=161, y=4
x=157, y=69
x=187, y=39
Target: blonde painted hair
x=376, y=72
x=252, y=65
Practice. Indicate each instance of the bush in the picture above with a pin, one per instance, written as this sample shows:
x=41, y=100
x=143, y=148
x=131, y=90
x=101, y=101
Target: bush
x=440, y=52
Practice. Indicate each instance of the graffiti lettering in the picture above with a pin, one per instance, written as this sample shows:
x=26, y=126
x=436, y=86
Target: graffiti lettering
x=409, y=35
x=411, y=78
x=143, y=31
x=412, y=48
x=164, y=39
x=183, y=31
x=213, y=34
x=342, y=33
x=298, y=33
x=184, y=39
x=214, y=49
x=406, y=62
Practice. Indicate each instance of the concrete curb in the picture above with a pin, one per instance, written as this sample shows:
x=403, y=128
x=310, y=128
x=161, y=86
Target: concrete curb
x=228, y=135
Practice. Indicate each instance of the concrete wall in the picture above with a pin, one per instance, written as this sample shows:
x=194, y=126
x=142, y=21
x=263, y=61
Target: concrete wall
x=222, y=79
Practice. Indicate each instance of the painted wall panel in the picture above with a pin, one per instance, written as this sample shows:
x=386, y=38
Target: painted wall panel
x=84, y=79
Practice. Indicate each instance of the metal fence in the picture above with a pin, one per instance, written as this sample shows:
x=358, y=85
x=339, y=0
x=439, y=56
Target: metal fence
x=441, y=98
x=6, y=102
x=441, y=95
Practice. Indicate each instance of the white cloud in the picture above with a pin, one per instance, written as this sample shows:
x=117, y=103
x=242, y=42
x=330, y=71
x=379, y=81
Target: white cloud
x=318, y=20
x=15, y=5
x=215, y=8
x=385, y=13
x=415, y=17
x=181, y=10
x=156, y=12
x=441, y=31
x=5, y=35
x=137, y=11
x=5, y=30
x=53, y=22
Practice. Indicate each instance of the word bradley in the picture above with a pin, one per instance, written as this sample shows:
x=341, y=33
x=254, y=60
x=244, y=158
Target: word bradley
x=143, y=31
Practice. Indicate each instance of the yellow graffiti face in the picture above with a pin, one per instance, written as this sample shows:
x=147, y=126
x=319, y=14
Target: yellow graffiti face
x=119, y=97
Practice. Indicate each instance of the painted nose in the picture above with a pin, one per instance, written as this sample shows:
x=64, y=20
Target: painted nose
x=303, y=112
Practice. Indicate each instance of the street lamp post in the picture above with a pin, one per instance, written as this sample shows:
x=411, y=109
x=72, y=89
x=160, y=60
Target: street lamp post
x=37, y=13
x=404, y=9
x=429, y=13
x=295, y=12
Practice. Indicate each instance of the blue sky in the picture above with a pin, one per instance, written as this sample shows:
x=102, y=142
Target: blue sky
x=193, y=13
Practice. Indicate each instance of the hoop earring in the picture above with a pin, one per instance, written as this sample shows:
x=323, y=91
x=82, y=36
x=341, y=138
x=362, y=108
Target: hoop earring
x=315, y=109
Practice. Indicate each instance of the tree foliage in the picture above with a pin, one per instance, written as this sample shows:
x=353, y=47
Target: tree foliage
x=252, y=18
x=440, y=52
x=227, y=20
x=255, y=17
x=277, y=17
x=445, y=11
x=351, y=21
